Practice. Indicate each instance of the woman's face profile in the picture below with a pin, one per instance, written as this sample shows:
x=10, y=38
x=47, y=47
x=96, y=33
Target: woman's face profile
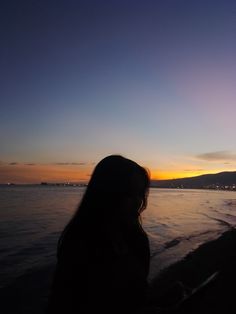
x=133, y=205
x=130, y=209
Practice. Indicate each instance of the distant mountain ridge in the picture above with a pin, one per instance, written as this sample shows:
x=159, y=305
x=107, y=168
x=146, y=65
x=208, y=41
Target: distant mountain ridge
x=222, y=180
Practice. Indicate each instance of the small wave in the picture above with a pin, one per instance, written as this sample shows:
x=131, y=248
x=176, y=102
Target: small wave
x=198, y=234
x=230, y=202
x=172, y=243
x=180, y=240
x=221, y=221
x=230, y=216
x=167, y=245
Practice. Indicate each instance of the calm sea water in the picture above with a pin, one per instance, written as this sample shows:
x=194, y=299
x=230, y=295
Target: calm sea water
x=177, y=222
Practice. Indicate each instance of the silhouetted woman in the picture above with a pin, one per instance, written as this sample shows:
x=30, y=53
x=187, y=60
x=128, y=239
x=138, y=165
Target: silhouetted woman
x=103, y=253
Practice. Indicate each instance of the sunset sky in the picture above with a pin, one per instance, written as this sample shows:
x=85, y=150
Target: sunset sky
x=154, y=81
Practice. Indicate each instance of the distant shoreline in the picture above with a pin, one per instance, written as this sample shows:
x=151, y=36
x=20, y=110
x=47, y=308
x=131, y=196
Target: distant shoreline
x=84, y=185
x=223, y=181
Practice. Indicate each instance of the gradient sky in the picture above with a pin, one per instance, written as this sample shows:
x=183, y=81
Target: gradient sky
x=154, y=81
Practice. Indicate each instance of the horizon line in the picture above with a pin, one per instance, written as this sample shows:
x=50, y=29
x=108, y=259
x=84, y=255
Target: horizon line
x=83, y=181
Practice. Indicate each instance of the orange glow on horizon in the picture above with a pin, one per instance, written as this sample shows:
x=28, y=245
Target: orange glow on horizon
x=52, y=173
x=168, y=175
x=21, y=173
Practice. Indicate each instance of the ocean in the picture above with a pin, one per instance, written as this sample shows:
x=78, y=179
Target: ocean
x=177, y=222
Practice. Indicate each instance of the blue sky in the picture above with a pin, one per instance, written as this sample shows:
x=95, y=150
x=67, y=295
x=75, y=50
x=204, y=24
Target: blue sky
x=151, y=80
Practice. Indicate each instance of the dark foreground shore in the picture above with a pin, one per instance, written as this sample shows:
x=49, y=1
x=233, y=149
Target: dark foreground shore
x=219, y=295
x=29, y=293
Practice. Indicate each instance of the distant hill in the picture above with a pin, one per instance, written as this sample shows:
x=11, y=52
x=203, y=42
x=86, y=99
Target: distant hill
x=223, y=180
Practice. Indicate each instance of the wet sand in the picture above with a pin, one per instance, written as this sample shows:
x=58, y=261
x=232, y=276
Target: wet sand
x=29, y=293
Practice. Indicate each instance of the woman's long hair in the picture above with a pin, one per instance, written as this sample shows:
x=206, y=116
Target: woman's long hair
x=114, y=179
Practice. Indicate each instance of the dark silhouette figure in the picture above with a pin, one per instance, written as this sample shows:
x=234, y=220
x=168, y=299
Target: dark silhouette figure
x=103, y=252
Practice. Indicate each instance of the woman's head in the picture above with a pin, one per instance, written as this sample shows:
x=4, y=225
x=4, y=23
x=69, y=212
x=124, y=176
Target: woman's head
x=117, y=181
x=116, y=195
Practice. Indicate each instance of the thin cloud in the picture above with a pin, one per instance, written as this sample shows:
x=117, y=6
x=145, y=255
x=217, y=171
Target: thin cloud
x=35, y=164
x=218, y=156
x=18, y=163
x=193, y=170
x=78, y=163
x=70, y=163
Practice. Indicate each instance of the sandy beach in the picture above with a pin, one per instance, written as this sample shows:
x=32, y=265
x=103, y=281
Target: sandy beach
x=29, y=293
